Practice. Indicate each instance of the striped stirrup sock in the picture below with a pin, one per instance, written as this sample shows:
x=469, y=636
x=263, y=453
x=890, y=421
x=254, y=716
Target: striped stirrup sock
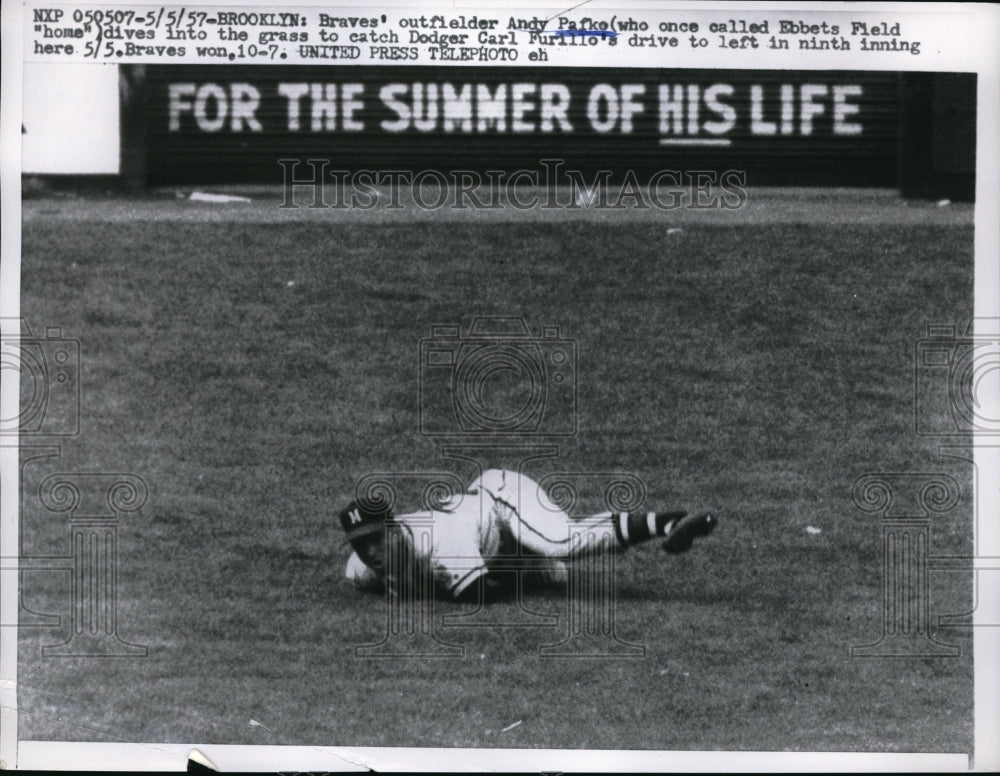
x=637, y=527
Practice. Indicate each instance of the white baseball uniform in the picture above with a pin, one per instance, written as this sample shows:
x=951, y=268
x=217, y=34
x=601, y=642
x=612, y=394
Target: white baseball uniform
x=503, y=521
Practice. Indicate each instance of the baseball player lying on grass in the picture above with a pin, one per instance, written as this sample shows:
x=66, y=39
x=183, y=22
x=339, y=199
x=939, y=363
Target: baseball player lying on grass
x=500, y=523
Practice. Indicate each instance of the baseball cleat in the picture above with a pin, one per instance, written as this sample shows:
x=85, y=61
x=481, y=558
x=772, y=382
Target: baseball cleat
x=687, y=529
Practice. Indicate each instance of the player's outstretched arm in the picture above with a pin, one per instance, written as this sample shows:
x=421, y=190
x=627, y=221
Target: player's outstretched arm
x=363, y=577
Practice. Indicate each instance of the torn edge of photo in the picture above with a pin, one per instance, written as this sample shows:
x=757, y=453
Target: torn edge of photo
x=481, y=387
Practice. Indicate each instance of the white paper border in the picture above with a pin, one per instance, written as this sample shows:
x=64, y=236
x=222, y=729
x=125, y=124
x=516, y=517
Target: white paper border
x=979, y=56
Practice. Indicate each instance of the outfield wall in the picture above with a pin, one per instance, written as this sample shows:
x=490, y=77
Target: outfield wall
x=201, y=124
x=224, y=124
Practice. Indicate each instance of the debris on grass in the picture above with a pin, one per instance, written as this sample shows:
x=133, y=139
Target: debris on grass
x=810, y=529
x=204, y=196
x=943, y=202
x=512, y=726
x=674, y=230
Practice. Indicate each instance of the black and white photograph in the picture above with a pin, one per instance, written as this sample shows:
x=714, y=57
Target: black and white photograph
x=481, y=386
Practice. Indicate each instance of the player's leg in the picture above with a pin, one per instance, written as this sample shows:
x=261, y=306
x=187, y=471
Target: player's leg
x=619, y=530
x=534, y=521
x=541, y=527
x=678, y=529
x=528, y=519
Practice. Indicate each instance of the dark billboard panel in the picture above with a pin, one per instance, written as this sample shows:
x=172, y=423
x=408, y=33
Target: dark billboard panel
x=215, y=124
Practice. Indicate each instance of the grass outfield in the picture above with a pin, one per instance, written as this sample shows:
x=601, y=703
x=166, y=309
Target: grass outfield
x=252, y=373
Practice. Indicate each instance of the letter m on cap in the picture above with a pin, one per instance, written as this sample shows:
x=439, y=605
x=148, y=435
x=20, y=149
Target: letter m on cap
x=355, y=516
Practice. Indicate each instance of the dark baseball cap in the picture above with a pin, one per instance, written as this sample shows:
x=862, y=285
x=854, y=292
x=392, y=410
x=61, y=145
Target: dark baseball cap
x=360, y=519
